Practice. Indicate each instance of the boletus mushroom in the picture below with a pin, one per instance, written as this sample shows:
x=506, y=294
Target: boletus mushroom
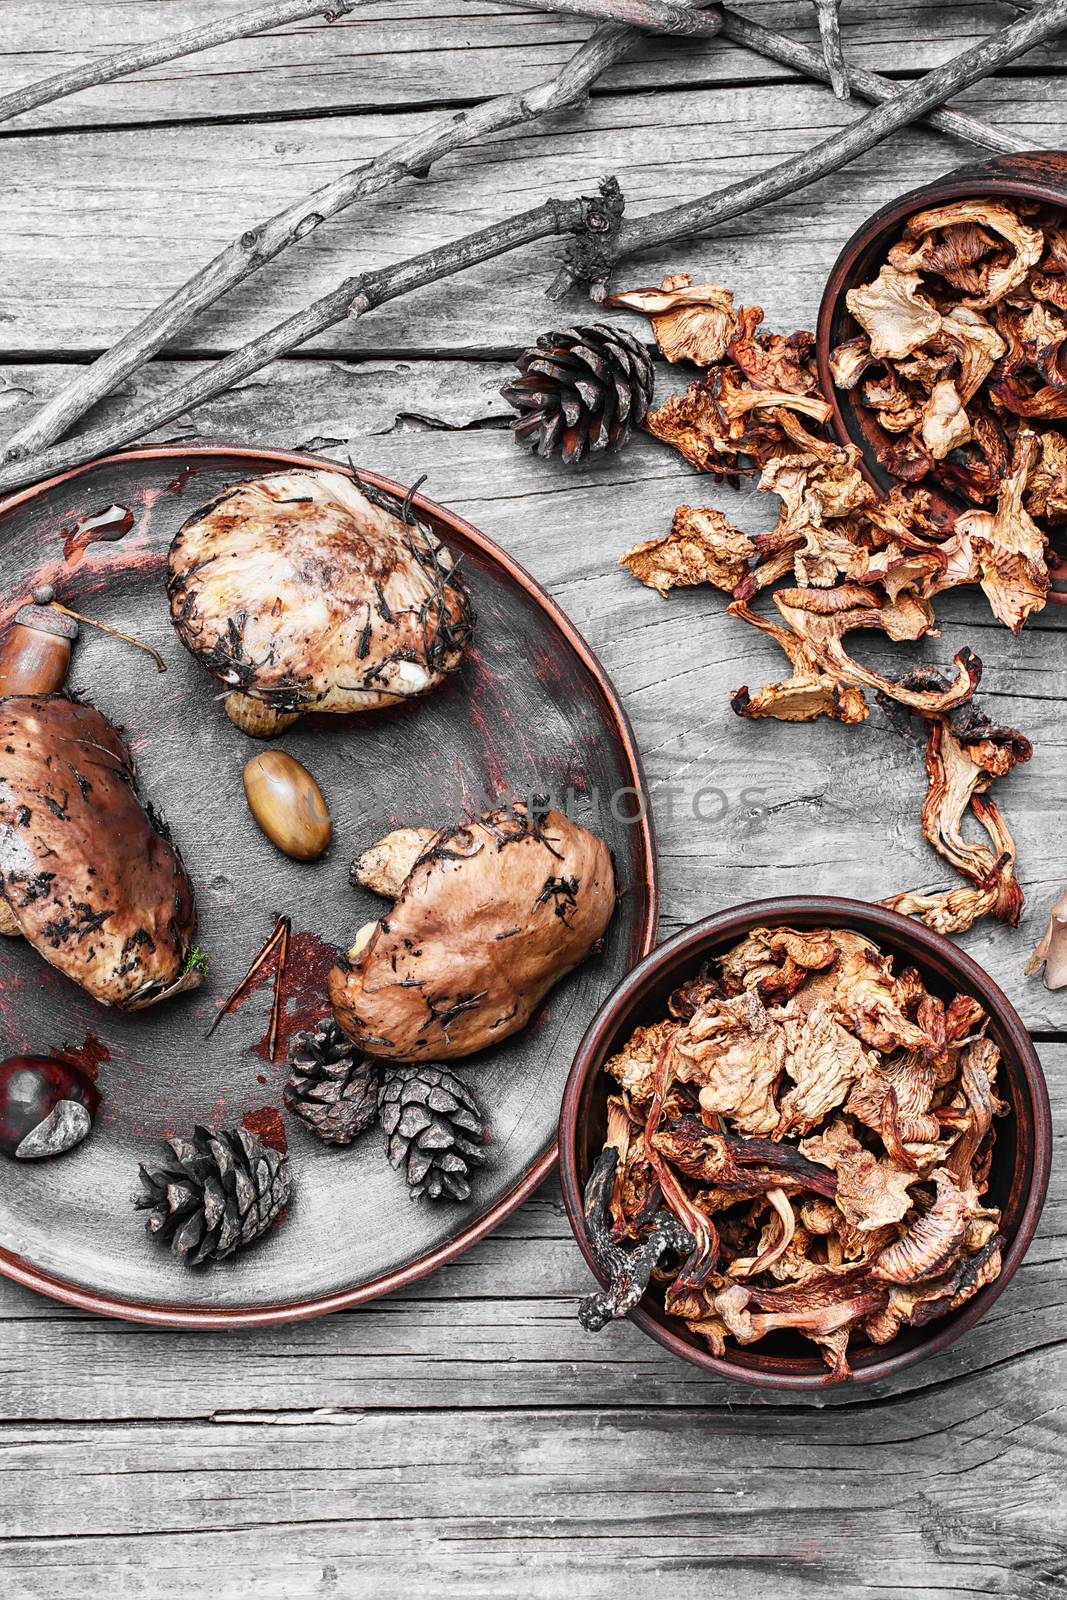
x=305, y=591
x=488, y=916
x=86, y=874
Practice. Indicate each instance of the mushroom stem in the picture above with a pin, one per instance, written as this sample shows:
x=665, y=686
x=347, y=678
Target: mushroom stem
x=255, y=718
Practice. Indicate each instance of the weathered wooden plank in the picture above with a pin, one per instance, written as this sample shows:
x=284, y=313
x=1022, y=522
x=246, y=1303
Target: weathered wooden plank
x=773, y=816
x=410, y=54
x=460, y=1503
x=126, y=216
x=495, y=1328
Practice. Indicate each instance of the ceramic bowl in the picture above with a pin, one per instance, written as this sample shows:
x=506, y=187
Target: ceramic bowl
x=1040, y=177
x=1021, y=1158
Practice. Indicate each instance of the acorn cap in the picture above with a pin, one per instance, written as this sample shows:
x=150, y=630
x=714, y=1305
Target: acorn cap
x=46, y=619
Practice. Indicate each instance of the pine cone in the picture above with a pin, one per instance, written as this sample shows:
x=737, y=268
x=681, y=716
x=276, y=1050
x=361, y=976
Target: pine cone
x=331, y=1086
x=215, y=1193
x=433, y=1123
x=581, y=390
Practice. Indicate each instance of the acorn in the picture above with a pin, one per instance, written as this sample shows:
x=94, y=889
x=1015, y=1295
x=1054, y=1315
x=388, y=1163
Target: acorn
x=35, y=651
x=47, y=1106
x=287, y=804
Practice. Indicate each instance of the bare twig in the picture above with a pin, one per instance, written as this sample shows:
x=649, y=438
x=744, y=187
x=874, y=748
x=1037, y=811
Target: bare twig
x=658, y=16
x=777, y=47
x=116, y=633
x=411, y=157
x=352, y=298
x=696, y=216
x=223, y=31
x=827, y=12
x=598, y=244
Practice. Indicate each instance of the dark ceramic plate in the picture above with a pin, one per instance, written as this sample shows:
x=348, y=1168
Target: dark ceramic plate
x=531, y=711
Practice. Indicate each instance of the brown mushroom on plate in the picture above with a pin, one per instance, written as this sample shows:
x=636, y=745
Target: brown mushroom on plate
x=87, y=873
x=305, y=591
x=488, y=916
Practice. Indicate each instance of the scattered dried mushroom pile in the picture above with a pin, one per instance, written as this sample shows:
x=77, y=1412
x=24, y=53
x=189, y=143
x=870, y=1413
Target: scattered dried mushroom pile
x=960, y=363
x=814, y=1132
x=959, y=359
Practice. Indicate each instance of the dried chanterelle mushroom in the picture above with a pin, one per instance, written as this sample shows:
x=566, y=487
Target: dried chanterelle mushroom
x=305, y=591
x=488, y=916
x=1050, y=956
x=821, y=1129
x=86, y=874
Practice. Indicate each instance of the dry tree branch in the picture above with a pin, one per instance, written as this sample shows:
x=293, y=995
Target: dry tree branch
x=696, y=216
x=778, y=47
x=659, y=16
x=223, y=31
x=352, y=298
x=410, y=158
x=590, y=258
x=828, y=13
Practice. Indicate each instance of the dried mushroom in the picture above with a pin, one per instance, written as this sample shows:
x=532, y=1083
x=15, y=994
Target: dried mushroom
x=1050, y=955
x=962, y=364
x=691, y=322
x=965, y=751
x=812, y=1130
x=961, y=361
x=487, y=917
x=703, y=546
x=87, y=872
x=305, y=591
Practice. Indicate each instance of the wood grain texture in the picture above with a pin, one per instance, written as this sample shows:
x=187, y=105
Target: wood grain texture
x=129, y=214
x=465, y=1438
x=775, y=812
x=410, y=54
x=464, y=1431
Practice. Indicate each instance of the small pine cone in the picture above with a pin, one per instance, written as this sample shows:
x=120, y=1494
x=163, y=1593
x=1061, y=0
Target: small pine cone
x=581, y=390
x=215, y=1193
x=331, y=1086
x=432, y=1122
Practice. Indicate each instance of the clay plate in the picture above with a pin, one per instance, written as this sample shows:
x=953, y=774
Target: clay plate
x=531, y=711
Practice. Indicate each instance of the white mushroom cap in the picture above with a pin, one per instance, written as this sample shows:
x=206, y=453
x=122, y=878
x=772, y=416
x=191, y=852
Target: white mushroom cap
x=311, y=593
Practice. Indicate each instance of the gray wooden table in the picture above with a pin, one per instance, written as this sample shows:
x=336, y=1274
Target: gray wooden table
x=465, y=1437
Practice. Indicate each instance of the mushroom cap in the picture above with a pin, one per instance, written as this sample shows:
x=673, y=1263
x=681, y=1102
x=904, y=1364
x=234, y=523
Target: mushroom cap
x=309, y=592
x=491, y=915
x=93, y=884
